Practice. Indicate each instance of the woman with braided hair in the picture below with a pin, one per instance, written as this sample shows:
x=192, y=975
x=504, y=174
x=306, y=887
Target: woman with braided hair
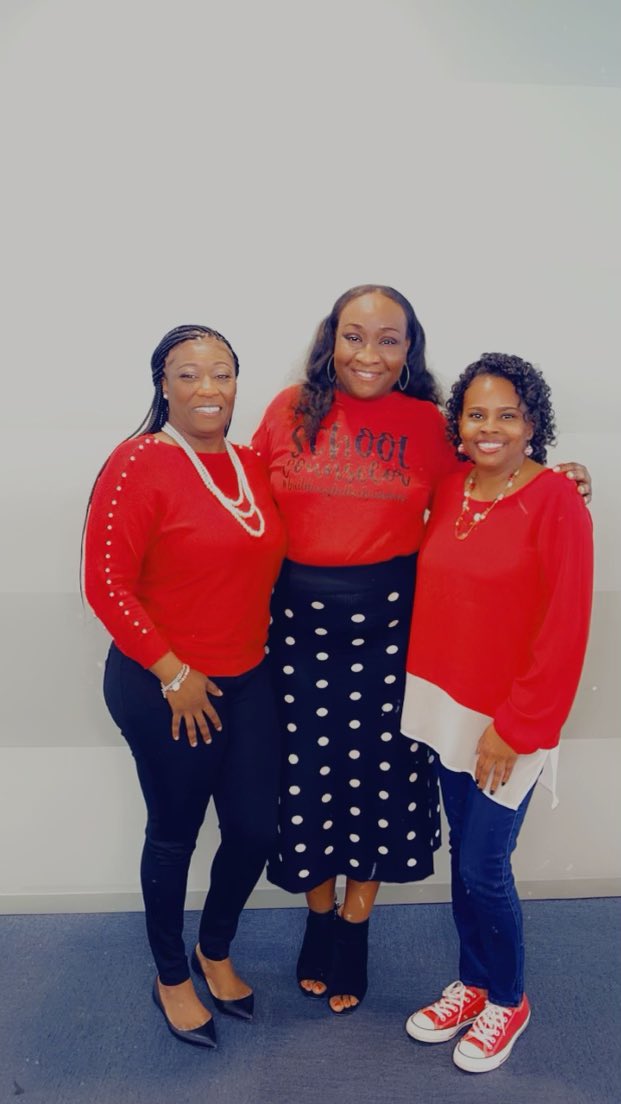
x=182, y=547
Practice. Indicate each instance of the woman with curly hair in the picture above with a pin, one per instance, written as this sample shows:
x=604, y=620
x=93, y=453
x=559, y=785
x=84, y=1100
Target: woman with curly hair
x=355, y=453
x=498, y=637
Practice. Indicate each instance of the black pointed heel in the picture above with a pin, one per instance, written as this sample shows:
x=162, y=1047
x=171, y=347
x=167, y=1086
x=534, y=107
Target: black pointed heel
x=204, y=1036
x=349, y=972
x=315, y=958
x=242, y=1008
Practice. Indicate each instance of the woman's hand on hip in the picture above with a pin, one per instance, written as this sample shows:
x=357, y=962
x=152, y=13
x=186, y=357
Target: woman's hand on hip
x=191, y=704
x=495, y=760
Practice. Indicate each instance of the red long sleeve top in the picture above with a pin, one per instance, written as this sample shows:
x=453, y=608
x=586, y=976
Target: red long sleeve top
x=168, y=568
x=501, y=619
x=358, y=497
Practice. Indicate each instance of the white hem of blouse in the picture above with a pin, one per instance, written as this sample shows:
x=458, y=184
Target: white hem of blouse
x=433, y=717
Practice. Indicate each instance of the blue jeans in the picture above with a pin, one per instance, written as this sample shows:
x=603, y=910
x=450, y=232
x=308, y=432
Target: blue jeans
x=486, y=907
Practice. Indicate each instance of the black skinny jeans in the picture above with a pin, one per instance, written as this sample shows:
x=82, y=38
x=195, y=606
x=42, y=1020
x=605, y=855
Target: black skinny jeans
x=240, y=769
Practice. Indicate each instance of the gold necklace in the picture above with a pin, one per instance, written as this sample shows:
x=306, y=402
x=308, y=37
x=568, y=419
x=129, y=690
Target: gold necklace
x=461, y=531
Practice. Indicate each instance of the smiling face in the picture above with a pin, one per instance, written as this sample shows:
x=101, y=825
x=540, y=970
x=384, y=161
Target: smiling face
x=494, y=426
x=199, y=383
x=371, y=346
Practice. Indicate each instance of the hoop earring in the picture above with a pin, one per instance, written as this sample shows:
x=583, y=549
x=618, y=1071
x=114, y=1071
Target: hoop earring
x=528, y=451
x=330, y=371
x=402, y=383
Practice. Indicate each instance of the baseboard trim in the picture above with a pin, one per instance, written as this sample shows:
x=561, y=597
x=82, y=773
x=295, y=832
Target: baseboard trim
x=271, y=897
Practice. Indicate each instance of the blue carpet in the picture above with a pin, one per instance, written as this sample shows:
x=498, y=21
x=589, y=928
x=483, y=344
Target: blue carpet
x=77, y=1023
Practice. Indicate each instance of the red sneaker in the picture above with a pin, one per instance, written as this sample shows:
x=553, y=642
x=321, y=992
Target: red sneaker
x=490, y=1040
x=458, y=1006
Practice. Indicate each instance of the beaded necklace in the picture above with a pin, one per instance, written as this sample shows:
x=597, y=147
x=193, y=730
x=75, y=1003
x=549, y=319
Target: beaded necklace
x=244, y=491
x=464, y=527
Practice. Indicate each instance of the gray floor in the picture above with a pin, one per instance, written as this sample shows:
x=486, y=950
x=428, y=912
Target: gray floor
x=77, y=1023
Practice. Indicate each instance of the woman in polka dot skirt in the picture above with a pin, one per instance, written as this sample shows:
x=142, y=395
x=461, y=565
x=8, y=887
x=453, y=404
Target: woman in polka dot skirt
x=355, y=454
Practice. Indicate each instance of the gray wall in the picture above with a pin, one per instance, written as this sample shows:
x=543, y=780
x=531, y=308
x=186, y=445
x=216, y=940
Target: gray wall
x=241, y=164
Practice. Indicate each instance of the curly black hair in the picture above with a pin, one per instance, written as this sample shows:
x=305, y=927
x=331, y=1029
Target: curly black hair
x=531, y=389
x=317, y=391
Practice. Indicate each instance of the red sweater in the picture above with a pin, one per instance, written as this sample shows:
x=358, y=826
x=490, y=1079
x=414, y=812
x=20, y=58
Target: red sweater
x=501, y=619
x=167, y=568
x=359, y=497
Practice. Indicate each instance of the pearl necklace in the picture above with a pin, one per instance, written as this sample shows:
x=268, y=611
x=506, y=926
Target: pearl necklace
x=243, y=487
x=460, y=531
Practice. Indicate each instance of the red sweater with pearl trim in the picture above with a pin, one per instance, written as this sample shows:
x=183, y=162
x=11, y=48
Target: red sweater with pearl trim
x=168, y=568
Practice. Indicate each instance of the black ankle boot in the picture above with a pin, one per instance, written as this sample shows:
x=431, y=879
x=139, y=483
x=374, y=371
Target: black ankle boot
x=349, y=971
x=315, y=959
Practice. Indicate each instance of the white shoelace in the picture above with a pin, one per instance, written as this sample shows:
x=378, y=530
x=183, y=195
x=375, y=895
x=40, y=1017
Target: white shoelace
x=452, y=1000
x=489, y=1024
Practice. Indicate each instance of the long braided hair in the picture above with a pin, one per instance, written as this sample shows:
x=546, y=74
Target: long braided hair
x=157, y=413
x=317, y=391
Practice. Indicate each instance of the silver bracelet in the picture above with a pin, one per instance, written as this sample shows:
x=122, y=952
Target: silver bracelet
x=180, y=677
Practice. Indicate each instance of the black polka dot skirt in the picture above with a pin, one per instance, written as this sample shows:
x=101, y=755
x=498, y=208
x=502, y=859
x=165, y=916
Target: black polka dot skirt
x=357, y=797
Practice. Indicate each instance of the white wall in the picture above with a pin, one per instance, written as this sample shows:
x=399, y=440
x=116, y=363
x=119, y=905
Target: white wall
x=241, y=164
